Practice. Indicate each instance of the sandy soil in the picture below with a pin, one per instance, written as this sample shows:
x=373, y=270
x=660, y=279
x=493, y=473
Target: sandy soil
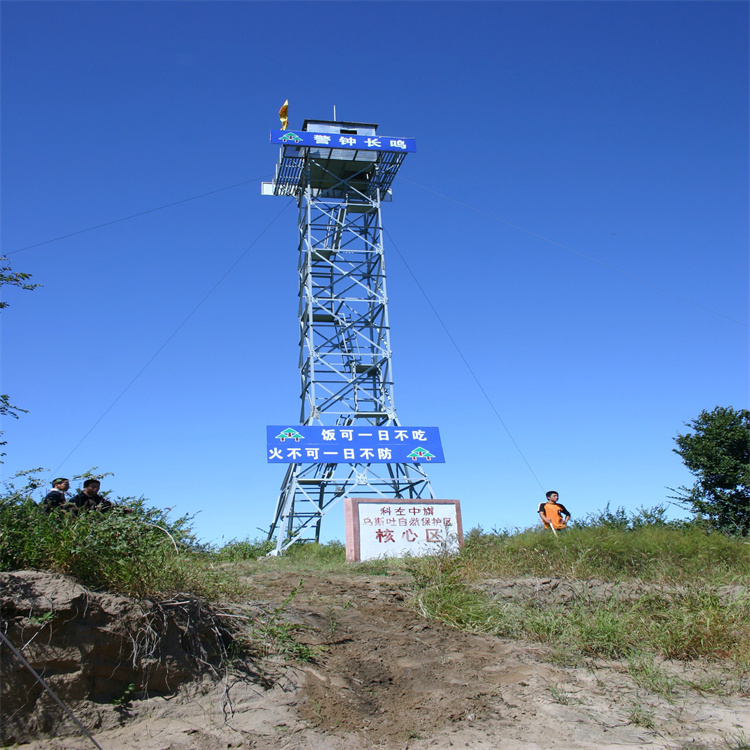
x=383, y=677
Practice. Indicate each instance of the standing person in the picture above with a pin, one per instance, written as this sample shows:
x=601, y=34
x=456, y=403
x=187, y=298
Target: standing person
x=554, y=514
x=90, y=499
x=56, y=497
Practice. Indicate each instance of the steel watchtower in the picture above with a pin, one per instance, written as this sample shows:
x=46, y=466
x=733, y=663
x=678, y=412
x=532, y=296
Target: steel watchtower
x=339, y=173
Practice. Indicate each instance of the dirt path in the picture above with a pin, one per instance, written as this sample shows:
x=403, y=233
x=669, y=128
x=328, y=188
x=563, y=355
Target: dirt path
x=385, y=678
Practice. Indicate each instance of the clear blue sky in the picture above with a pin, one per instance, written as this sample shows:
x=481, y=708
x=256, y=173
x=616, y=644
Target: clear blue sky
x=614, y=134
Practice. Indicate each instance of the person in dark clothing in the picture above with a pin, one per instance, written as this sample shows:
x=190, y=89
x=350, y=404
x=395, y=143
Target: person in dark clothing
x=90, y=499
x=56, y=498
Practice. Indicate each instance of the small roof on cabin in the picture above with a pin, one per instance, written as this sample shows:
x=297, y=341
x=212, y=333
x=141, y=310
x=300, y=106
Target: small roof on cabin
x=339, y=126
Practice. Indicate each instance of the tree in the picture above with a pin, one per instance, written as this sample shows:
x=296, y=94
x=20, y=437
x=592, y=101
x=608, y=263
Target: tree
x=19, y=279
x=717, y=451
x=13, y=278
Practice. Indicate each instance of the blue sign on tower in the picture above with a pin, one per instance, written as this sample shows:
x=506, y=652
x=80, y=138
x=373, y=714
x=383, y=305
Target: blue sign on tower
x=336, y=140
x=365, y=444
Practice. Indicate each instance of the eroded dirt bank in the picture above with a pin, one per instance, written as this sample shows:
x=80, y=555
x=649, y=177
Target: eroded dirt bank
x=95, y=650
x=384, y=677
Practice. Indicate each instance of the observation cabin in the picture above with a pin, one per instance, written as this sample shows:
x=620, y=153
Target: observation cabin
x=338, y=160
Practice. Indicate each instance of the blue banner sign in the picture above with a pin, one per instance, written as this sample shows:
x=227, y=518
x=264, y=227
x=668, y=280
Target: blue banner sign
x=360, y=444
x=337, y=140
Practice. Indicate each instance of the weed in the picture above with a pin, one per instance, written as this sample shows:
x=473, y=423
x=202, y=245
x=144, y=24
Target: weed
x=124, y=698
x=333, y=625
x=648, y=675
x=317, y=709
x=560, y=696
x=278, y=637
x=641, y=716
x=42, y=620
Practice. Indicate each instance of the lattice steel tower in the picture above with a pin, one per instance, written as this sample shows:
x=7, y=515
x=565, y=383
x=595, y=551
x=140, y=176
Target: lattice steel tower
x=345, y=350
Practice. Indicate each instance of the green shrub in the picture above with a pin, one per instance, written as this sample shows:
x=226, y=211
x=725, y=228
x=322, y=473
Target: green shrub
x=139, y=551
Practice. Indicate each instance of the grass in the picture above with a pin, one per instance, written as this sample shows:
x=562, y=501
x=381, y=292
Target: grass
x=328, y=557
x=240, y=551
x=560, y=696
x=143, y=552
x=658, y=554
x=680, y=612
x=738, y=741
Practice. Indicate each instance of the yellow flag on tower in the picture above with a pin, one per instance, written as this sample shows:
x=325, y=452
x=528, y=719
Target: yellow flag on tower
x=284, y=114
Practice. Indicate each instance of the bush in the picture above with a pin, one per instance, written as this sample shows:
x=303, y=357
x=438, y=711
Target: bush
x=139, y=552
x=621, y=519
x=301, y=552
x=248, y=549
x=330, y=552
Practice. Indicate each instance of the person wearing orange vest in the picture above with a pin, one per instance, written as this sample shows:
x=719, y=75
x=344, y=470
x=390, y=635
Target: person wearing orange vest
x=554, y=515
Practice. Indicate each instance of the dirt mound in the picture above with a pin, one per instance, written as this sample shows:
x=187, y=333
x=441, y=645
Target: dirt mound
x=95, y=651
x=380, y=676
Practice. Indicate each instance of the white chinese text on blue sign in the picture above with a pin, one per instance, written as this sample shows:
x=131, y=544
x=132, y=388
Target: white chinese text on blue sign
x=334, y=140
x=366, y=444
